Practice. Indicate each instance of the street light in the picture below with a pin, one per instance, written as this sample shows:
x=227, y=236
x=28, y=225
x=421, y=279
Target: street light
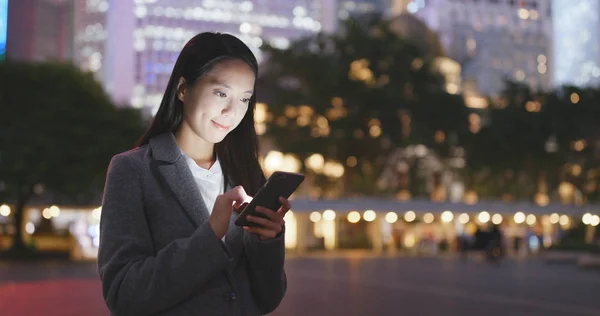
x=5, y=210
x=391, y=217
x=595, y=220
x=410, y=216
x=484, y=217
x=587, y=218
x=354, y=217
x=369, y=215
x=519, y=217
x=497, y=219
x=447, y=216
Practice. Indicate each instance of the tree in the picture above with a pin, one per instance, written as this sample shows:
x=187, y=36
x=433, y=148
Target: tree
x=356, y=96
x=533, y=142
x=59, y=131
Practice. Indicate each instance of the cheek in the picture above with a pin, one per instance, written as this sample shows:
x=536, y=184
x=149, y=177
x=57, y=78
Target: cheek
x=240, y=113
x=196, y=109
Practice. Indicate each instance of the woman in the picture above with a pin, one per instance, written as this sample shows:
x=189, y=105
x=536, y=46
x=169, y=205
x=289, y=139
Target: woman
x=168, y=245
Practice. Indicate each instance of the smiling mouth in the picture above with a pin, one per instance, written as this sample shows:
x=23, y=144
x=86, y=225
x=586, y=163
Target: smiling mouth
x=221, y=126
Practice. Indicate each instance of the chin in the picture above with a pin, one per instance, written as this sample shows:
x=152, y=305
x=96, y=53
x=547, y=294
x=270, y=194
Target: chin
x=215, y=137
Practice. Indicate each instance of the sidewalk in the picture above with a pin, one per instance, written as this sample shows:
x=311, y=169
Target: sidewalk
x=62, y=297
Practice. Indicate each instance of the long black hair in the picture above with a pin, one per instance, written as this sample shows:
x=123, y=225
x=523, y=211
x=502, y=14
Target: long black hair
x=238, y=152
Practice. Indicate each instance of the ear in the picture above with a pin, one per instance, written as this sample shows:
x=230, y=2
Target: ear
x=181, y=89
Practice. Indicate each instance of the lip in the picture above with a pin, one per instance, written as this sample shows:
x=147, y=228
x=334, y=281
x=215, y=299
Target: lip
x=221, y=126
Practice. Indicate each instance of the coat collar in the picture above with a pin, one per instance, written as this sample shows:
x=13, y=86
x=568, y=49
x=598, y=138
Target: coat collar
x=164, y=148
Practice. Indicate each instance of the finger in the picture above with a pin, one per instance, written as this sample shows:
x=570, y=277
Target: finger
x=277, y=226
x=285, y=205
x=273, y=216
x=241, y=207
x=262, y=232
x=238, y=195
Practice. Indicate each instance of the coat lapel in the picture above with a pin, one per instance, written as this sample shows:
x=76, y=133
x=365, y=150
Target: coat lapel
x=178, y=177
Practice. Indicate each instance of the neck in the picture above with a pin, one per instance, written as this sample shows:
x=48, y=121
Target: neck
x=195, y=147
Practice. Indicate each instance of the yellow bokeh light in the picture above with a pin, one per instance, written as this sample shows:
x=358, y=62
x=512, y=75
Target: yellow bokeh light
x=369, y=215
x=579, y=145
x=375, y=131
x=46, y=213
x=4, y=210
x=447, y=216
x=354, y=217
x=315, y=162
x=315, y=217
x=531, y=219
x=428, y=218
x=586, y=218
x=463, y=218
x=523, y=13
x=564, y=220
x=351, y=161
x=483, y=217
x=329, y=215
x=497, y=219
x=54, y=211
x=542, y=59
x=554, y=218
x=519, y=217
x=391, y=217
x=260, y=112
x=574, y=98
x=595, y=221
x=410, y=216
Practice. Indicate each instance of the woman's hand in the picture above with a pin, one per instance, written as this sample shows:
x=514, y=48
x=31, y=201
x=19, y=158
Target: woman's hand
x=271, y=226
x=224, y=204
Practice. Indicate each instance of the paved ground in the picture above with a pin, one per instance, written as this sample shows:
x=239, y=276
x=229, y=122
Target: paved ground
x=346, y=285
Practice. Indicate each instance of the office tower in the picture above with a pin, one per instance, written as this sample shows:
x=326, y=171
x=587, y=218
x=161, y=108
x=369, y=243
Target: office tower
x=493, y=40
x=39, y=29
x=3, y=27
x=132, y=46
x=576, y=48
x=347, y=8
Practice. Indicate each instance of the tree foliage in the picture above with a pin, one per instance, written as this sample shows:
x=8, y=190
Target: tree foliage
x=59, y=131
x=360, y=93
x=534, y=141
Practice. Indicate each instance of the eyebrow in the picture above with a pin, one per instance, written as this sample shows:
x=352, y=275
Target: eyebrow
x=219, y=83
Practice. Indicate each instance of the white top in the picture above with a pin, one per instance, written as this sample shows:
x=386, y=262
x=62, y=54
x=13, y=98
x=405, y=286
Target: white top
x=210, y=182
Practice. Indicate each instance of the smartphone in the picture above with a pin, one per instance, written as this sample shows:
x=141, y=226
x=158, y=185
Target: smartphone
x=280, y=183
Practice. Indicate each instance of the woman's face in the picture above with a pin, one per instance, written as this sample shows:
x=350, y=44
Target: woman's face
x=218, y=101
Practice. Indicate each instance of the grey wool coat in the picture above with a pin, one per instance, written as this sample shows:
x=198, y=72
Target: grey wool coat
x=159, y=256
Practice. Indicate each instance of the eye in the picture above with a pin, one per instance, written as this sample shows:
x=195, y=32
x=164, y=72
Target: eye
x=220, y=94
x=246, y=100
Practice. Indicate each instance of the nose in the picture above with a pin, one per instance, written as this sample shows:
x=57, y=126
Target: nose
x=229, y=109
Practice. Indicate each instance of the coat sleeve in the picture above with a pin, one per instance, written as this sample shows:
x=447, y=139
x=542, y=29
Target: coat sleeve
x=268, y=281
x=136, y=280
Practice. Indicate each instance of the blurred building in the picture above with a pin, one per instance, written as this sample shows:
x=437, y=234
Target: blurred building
x=493, y=40
x=132, y=46
x=357, y=7
x=3, y=24
x=416, y=31
x=39, y=29
x=576, y=42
